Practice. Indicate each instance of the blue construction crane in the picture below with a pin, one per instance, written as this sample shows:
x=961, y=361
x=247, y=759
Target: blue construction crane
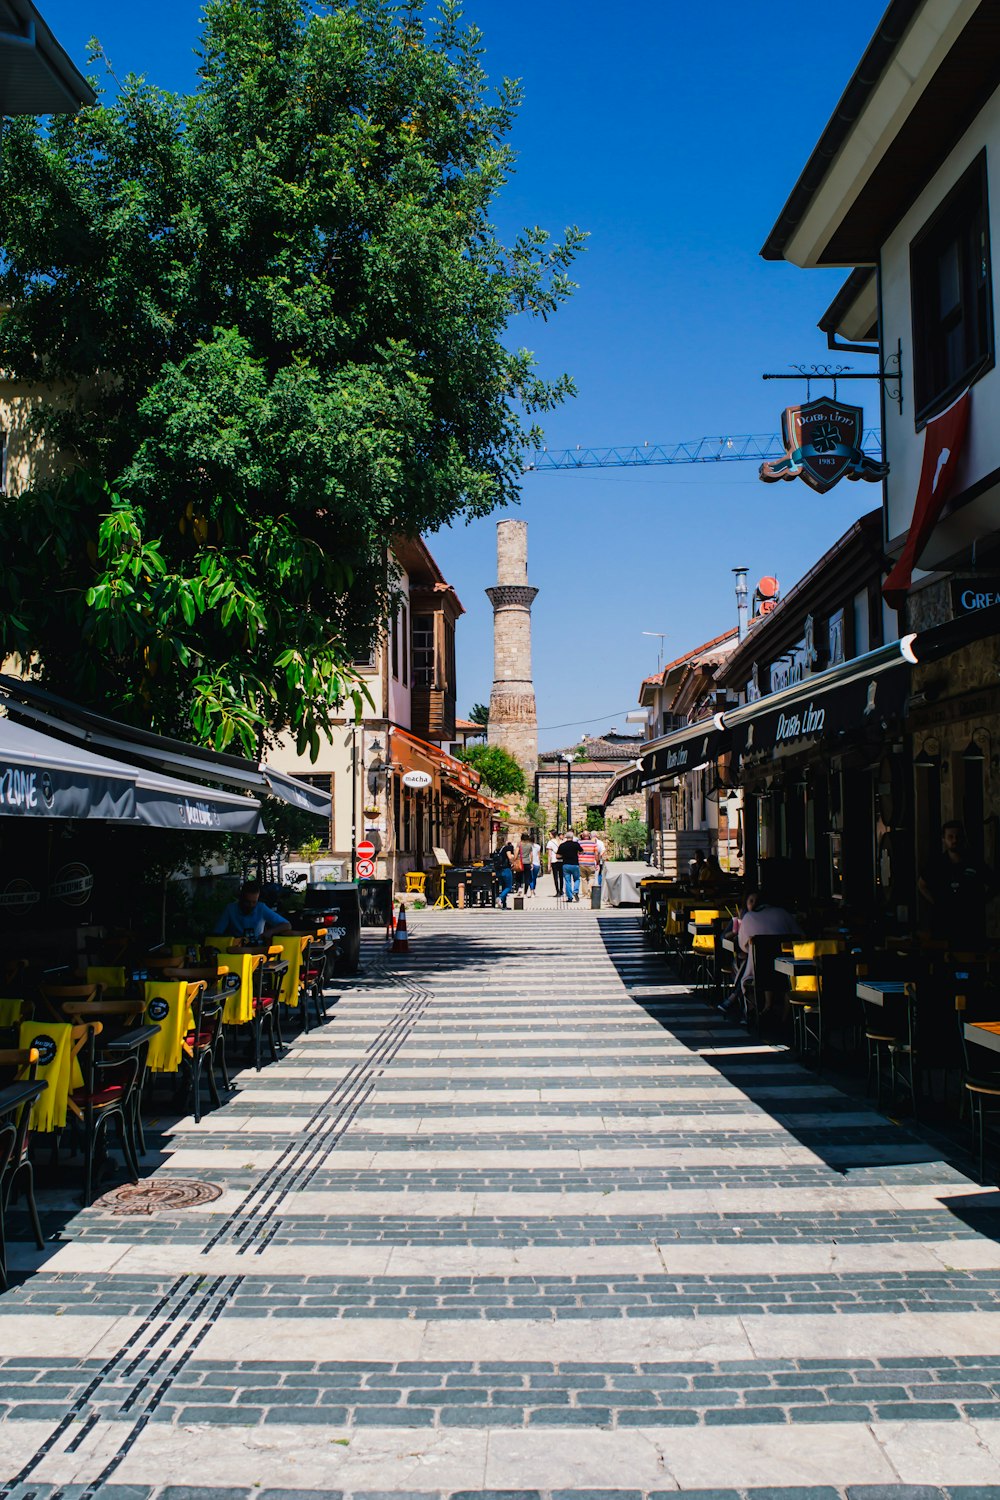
x=706, y=450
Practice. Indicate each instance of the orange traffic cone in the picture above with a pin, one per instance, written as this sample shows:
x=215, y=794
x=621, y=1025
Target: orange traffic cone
x=399, y=942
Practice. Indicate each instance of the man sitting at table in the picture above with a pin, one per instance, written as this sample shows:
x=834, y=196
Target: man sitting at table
x=248, y=918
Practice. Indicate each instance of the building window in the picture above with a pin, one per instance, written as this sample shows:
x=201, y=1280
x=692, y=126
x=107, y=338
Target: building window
x=324, y=781
x=365, y=659
x=449, y=657
x=405, y=643
x=951, y=294
x=4, y=460
x=423, y=651
x=395, y=648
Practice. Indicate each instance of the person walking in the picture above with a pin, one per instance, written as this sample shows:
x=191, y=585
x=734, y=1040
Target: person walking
x=569, y=853
x=555, y=864
x=522, y=863
x=588, y=860
x=602, y=851
x=536, y=866
x=503, y=864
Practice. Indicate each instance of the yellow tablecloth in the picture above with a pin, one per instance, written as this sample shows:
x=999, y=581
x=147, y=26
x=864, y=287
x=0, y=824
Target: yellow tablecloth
x=292, y=948
x=239, y=1006
x=53, y=1040
x=167, y=1005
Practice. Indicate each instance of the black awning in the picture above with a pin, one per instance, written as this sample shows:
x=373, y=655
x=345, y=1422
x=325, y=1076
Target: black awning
x=28, y=703
x=42, y=778
x=300, y=794
x=852, y=701
x=165, y=802
x=685, y=750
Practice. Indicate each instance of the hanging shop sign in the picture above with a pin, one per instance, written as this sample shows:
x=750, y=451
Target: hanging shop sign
x=416, y=780
x=822, y=442
x=971, y=596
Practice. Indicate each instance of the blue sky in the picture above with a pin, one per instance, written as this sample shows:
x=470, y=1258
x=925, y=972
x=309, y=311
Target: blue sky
x=672, y=133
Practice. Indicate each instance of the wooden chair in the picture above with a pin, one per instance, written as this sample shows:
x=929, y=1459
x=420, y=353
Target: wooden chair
x=20, y=1063
x=57, y=996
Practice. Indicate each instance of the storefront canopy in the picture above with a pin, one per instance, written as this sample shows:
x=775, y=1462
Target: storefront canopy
x=841, y=703
x=671, y=756
x=42, y=777
x=27, y=703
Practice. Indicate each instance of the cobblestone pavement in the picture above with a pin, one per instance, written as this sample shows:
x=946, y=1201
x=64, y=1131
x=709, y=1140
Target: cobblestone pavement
x=524, y=1219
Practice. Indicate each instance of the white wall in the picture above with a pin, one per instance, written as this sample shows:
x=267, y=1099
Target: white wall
x=903, y=445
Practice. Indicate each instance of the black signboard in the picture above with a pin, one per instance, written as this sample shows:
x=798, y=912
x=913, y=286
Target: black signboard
x=854, y=709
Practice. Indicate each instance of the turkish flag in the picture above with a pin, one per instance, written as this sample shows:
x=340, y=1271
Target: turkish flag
x=943, y=441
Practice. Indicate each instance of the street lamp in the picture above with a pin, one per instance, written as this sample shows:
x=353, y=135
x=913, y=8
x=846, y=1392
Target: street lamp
x=569, y=789
x=740, y=576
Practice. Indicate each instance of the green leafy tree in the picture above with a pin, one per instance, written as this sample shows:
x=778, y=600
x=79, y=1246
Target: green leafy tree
x=537, y=817
x=630, y=837
x=480, y=714
x=499, y=770
x=266, y=325
x=595, y=820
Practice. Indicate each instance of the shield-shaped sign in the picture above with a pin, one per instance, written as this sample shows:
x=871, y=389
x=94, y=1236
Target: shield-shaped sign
x=823, y=444
x=827, y=436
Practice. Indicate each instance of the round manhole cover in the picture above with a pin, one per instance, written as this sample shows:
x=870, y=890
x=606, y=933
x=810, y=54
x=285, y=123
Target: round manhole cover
x=159, y=1195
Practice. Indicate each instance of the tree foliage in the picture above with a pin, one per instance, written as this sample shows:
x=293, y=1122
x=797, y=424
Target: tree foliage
x=500, y=772
x=269, y=324
x=480, y=714
x=629, y=838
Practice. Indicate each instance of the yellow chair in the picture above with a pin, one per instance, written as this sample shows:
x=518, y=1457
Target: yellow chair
x=703, y=943
x=807, y=951
x=416, y=883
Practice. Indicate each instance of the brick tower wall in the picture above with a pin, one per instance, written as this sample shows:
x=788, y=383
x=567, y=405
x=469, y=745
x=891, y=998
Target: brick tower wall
x=513, y=719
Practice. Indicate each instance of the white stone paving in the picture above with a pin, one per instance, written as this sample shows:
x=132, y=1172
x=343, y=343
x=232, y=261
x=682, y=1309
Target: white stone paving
x=495, y=1154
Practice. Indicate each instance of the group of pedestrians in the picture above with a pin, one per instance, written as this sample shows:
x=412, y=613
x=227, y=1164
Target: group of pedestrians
x=575, y=862
x=518, y=868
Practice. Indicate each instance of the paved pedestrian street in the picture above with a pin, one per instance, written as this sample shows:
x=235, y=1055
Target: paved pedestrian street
x=526, y=1217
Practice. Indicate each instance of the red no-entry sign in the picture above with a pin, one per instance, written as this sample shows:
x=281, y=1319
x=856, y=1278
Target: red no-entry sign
x=366, y=849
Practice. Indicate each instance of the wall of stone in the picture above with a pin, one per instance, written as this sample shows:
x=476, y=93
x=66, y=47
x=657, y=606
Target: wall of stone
x=512, y=552
x=588, y=788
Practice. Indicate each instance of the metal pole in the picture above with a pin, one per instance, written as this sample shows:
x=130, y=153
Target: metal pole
x=354, y=801
x=569, y=794
x=558, y=793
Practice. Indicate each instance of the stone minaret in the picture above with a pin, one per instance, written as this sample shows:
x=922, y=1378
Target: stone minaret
x=513, y=721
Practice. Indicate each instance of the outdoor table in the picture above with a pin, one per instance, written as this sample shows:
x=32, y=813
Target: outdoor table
x=876, y=990
x=16, y=1094
x=985, y=1033
x=794, y=968
x=731, y=943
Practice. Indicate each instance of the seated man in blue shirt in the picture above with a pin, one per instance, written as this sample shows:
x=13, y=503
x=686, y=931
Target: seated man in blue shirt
x=248, y=918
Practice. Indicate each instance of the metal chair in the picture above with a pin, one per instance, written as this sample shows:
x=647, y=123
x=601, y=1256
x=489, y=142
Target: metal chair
x=18, y=1171
x=102, y=1097
x=266, y=995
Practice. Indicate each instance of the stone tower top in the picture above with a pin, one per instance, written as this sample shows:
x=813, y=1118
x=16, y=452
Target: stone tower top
x=512, y=552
